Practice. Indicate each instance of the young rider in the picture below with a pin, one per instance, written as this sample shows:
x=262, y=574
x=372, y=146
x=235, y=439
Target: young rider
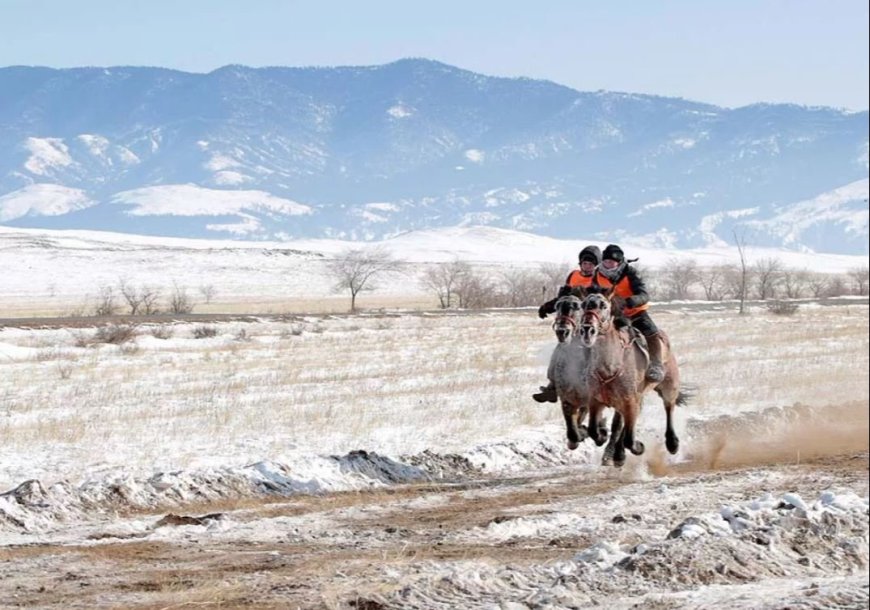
x=588, y=259
x=614, y=271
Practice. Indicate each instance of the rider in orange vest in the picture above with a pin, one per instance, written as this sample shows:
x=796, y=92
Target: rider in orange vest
x=588, y=258
x=614, y=271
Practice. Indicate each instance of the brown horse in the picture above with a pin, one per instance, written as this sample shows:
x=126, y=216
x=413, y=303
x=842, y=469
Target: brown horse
x=614, y=373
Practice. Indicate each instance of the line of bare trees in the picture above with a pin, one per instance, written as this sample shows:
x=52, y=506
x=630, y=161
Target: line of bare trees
x=764, y=279
x=144, y=300
x=457, y=284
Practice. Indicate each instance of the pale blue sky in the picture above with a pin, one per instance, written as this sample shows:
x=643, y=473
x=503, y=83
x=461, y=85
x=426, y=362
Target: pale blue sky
x=726, y=52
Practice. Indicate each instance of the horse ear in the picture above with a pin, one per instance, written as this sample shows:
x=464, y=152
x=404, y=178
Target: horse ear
x=607, y=293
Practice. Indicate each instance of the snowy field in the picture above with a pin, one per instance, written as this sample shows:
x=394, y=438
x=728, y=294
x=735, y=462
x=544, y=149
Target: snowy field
x=59, y=272
x=396, y=460
x=307, y=458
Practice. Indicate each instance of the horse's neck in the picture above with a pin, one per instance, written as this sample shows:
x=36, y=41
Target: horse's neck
x=608, y=352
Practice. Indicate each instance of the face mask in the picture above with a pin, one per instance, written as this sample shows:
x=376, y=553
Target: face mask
x=612, y=274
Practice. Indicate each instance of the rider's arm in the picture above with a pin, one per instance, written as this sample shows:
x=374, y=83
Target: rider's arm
x=638, y=289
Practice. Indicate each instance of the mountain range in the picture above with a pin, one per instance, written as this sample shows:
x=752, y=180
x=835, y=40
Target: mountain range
x=368, y=153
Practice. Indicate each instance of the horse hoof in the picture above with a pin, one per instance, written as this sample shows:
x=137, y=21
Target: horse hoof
x=619, y=463
x=673, y=444
x=582, y=433
x=572, y=445
x=600, y=440
x=638, y=448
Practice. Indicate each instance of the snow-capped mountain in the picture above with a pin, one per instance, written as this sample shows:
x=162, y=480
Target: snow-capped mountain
x=371, y=152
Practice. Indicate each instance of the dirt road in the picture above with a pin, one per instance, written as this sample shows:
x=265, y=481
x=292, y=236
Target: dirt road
x=479, y=543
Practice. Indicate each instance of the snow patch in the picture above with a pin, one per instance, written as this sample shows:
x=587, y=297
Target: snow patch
x=46, y=154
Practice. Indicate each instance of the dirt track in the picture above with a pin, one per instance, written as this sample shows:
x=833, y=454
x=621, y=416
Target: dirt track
x=414, y=545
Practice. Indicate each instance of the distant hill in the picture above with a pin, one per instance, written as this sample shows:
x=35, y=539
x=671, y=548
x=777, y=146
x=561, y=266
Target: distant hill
x=371, y=152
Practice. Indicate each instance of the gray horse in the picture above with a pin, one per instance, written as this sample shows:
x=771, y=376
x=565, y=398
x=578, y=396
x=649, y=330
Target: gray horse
x=567, y=372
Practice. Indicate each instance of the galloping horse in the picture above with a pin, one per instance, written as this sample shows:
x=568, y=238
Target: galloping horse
x=614, y=374
x=566, y=371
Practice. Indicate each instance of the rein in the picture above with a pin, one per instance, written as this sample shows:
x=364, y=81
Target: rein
x=596, y=321
x=569, y=320
x=561, y=318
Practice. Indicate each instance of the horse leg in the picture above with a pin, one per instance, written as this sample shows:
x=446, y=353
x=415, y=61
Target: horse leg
x=615, y=439
x=573, y=415
x=602, y=431
x=592, y=426
x=669, y=396
x=630, y=416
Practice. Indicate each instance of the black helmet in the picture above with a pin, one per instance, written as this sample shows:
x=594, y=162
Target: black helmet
x=614, y=253
x=591, y=254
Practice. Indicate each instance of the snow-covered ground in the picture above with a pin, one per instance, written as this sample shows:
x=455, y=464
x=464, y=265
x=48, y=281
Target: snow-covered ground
x=463, y=493
x=62, y=271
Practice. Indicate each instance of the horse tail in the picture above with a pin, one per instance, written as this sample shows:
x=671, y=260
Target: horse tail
x=686, y=394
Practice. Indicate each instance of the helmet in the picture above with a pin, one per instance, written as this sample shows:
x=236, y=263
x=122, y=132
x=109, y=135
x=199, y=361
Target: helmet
x=613, y=253
x=591, y=254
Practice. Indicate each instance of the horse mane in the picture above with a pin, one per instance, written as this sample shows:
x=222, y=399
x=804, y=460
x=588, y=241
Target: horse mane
x=620, y=322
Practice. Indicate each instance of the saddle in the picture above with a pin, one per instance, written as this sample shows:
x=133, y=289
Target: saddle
x=631, y=335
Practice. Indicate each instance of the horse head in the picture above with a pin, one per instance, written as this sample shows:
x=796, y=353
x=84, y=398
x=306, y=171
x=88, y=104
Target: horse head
x=597, y=316
x=567, y=317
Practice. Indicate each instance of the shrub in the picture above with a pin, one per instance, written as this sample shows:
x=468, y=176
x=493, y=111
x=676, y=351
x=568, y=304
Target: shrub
x=782, y=308
x=162, y=332
x=115, y=334
x=203, y=332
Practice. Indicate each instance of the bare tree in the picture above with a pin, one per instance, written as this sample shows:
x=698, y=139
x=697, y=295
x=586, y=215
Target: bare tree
x=149, y=296
x=818, y=284
x=794, y=282
x=442, y=278
x=141, y=301
x=356, y=270
x=207, y=291
x=768, y=274
x=713, y=281
x=836, y=286
x=106, y=303
x=475, y=291
x=520, y=287
x=554, y=278
x=677, y=278
x=179, y=301
x=860, y=280
x=740, y=242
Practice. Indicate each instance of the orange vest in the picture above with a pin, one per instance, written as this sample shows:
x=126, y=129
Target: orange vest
x=575, y=279
x=623, y=291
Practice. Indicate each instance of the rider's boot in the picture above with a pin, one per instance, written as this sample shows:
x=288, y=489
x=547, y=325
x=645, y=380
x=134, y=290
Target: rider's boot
x=655, y=371
x=547, y=393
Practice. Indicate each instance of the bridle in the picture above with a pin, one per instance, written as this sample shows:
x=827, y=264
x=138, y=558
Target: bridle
x=566, y=320
x=561, y=318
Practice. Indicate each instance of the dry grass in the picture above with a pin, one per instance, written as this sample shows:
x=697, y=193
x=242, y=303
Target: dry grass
x=402, y=383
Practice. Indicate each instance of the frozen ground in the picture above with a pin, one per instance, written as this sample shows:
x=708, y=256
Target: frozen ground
x=397, y=461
